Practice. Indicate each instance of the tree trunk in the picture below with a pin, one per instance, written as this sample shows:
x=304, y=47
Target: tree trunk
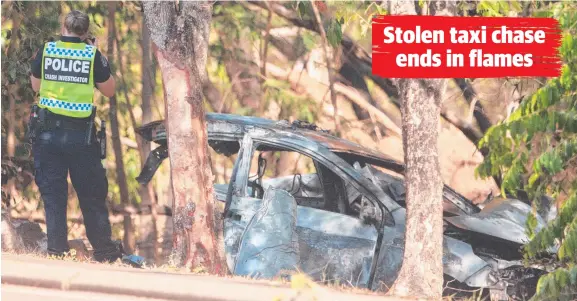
x=12, y=95
x=147, y=92
x=128, y=240
x=422, y=272
x=180, y=36
x=12, y=88
x=421, y=275
x=11, y=112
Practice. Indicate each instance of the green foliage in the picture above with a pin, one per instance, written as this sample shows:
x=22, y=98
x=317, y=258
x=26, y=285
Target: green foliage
x=233, y=21
x=559, y=285
x=33, y=31
x=292, y=104
x=351, y=12
x=498, y=8
x=332, y=26
x=535, y=150
x=334, y=32
x=310, y=41
x=556, y=229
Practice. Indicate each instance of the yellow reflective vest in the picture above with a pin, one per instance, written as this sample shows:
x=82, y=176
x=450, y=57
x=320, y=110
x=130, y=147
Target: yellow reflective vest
x=67, y=83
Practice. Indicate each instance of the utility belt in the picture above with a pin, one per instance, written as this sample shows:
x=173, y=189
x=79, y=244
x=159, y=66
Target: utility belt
x=42, y=120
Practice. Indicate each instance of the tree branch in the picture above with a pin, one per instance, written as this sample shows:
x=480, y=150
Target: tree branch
x=329, y=68
x=359, y=58
x=478, y=111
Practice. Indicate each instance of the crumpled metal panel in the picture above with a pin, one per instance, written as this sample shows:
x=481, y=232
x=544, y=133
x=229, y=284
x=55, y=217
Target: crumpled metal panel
x=232, y=233
x=391, y=254
x=234, y=226
x=332, y=246
x=459, y=261
x=335, y=258
x=504, y=219
x=220, y=191
x=269, y=244
x=335, y=247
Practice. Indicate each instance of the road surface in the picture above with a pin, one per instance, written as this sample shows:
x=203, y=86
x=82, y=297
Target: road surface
x=35, y=278
x=27, y=293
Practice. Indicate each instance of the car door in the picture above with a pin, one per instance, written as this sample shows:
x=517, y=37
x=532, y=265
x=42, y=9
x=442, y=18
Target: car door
x=332, y=246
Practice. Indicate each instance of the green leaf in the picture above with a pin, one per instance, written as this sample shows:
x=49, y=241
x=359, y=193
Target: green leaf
x=381, y=10
x=301, y=9
x=516, y=6
x=334, y=33
x=309, y=40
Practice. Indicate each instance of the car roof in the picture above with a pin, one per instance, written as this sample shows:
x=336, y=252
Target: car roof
x=327, y=140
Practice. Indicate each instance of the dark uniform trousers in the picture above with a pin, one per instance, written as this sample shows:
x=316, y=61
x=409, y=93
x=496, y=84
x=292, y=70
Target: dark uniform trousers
x=55, y=153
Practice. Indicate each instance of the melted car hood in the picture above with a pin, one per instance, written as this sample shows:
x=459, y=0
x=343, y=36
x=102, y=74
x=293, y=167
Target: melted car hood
x=505, y=219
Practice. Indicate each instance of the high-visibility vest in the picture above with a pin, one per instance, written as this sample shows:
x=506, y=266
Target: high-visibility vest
x=67, y=83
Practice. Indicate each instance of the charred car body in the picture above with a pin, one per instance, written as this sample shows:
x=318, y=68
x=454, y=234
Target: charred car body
x=346, y=221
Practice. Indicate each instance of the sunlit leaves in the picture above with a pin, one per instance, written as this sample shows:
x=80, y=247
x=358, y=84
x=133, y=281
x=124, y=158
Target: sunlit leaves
x=309, y=40
x=334, y=32
x=498, y=8
x=553, y=161
x=558, y=285
x=303, y=9
x=292, y=104
x=535, y=150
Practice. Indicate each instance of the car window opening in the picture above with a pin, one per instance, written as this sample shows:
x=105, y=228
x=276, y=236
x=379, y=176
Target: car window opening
x=308, y=181
x=223, y=155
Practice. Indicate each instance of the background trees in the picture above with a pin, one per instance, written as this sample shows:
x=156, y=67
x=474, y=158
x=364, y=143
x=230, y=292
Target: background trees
x=535, y=151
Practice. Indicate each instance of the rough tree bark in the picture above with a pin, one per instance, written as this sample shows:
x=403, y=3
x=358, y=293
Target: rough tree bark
x=180, y=32
x=128, y=240
x=12, y=88
x=421, y=275
x=422, y=272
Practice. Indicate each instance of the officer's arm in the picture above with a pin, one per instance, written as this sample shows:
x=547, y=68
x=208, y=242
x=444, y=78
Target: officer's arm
x=104, y=80
x=35, y=83
x=108, y=87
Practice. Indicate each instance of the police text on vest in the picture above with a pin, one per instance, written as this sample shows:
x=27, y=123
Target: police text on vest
x=67, y=70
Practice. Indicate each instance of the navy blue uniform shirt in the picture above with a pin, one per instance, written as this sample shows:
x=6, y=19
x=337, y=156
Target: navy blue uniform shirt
x=101, y=66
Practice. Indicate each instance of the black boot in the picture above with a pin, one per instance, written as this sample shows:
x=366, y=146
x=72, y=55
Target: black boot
x=118, y=252
x=58, y=254
x=111, y=254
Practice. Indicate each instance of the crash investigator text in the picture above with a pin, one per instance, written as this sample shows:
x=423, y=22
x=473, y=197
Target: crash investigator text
x=65, y=139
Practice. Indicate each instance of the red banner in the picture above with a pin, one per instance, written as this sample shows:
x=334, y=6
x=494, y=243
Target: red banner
x=465, y=47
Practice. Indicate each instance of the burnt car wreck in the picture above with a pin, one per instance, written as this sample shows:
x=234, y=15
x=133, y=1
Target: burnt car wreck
x=345, y=222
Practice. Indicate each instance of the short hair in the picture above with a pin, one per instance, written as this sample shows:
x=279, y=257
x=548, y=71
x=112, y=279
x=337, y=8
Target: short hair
x=77, y=22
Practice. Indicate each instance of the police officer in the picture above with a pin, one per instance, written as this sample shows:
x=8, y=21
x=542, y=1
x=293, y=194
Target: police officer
x=65, y=74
